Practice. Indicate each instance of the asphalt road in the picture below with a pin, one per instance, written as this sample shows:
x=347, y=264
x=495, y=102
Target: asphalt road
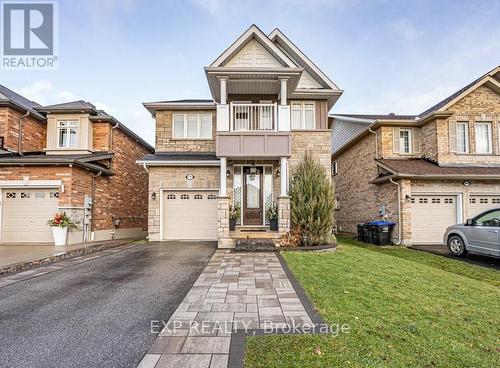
x=97, y=313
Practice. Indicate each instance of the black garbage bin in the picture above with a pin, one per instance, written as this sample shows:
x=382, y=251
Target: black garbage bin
x=381, y=232
x=361, y=235
x=367, y=233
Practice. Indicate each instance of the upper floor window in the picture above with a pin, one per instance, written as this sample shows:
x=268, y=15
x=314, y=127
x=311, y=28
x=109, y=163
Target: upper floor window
x=192, y=126
x=303, y=115
x=67, y=134
x=405, y=141
x=462, y=137
x=483, y=138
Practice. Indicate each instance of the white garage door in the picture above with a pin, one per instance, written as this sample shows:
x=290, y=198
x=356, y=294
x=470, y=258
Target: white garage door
x=25, y=213
x=190, y=215
x=481, y=203
x=430, y=217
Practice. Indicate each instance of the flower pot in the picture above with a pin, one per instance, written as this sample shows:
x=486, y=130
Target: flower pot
x=232, y=225
x=60, y=234
x=273, y=224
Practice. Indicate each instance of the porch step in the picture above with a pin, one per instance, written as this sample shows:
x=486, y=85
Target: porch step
x=249, y=234
x=254, y=245
x=252, y=228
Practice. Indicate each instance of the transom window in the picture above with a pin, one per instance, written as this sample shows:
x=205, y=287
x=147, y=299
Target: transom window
x=170, y=196
x=303, y=115
x=184, y=196
x=463, y=137
x=54, y=195
x=211, y=196
x=67, y=134
x=405, y=140
x=198, y=196
x=192, y=126
x=483, y=138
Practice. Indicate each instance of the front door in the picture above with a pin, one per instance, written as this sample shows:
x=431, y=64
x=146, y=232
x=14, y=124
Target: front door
x=252, y=196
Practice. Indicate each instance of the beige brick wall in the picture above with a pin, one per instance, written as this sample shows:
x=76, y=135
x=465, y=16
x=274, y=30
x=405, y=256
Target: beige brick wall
x=165, y=142
x=164, y=178
x=359, y=200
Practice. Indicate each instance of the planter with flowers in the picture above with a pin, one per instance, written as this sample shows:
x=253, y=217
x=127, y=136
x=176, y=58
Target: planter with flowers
x=234, y=216
x=272, y=216
x=60, y=224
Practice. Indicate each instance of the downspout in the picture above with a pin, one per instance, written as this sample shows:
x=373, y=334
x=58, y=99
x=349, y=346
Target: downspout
x=92, y=211
x=20, y=130
x=399, y=210
x=111, y=137
x=376, y=141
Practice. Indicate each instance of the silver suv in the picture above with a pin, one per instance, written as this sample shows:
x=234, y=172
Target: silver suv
x=480, y=235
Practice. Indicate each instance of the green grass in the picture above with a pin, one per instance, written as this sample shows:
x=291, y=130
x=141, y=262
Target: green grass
x=405, y=309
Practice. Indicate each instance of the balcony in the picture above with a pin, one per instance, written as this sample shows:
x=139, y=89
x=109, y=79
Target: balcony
x=253, y=130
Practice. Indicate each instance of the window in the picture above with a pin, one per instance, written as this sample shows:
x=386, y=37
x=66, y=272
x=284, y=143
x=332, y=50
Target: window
x=198, y=196
x=303, y=115
x=192, y=126
x=67, y=133
x=495, y=200
x=472, y=200
x=335, y=168
x=405, y=140
x=422, y=200
x=448, y=200
x=483, y=200
x=39, y=195
x=170, y=196
x=184, y=196
x=436, y=200
x=483, y=137
x=489, y=219
x=10, y=195
x=463, y=137
x=25, y=195
x=54, y=195
x=211, y=196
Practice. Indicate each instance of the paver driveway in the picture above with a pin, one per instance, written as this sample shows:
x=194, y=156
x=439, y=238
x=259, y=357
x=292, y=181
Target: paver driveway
x=97, y=313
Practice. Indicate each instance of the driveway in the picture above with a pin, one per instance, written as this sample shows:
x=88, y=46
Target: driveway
x=97, y=313
x=476, y=259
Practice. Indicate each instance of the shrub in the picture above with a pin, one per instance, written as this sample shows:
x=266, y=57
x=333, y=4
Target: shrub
x=311, y=202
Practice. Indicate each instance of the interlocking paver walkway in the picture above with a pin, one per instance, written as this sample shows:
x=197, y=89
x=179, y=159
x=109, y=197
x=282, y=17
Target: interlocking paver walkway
x=235, y=291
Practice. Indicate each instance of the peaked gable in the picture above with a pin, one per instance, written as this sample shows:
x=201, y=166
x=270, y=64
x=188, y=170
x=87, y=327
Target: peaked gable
x=253, y=54
x=260, y=42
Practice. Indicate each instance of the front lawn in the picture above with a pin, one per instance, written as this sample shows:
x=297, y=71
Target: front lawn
x=405, y=309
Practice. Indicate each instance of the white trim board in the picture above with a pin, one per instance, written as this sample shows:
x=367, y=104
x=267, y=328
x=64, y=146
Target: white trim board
x=30, y=183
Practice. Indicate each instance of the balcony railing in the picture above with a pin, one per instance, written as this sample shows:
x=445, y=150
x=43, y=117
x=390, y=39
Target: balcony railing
x=253, y=117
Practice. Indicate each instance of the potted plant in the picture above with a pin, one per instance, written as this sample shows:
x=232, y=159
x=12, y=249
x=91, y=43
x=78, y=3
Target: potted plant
x=234, y=216
x=272, y=216
x=60, y=224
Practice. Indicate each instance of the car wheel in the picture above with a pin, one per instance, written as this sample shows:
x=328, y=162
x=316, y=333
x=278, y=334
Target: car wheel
x=456, y=246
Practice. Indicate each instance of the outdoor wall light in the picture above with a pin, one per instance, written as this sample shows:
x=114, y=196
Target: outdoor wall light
x=153, y=196
x=228, y=173
x=278, y=173
x=466, y=183
x=408, y=197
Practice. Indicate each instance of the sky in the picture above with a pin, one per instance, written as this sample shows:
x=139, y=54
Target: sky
x=386, y=55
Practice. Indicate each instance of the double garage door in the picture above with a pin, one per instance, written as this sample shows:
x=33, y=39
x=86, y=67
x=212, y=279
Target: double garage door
x=189, y=215
x=25, y=213
x=432, y=214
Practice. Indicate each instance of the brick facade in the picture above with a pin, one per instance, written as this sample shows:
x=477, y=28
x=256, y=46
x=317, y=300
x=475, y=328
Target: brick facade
x=316, y=142
x=34, y=132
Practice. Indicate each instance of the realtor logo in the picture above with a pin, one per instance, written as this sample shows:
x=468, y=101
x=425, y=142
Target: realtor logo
x=29, y=31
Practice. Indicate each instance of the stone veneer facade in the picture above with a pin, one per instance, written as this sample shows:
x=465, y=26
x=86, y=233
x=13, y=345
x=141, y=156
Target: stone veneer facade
x=360, y=200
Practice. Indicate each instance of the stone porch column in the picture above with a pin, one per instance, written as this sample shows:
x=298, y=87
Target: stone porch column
x=223, y=239
x=405, y=212
x=283, y=214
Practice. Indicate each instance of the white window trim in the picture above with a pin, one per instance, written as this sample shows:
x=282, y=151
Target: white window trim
x=303, y=114
x=466, y=124
x=410, y=142
x=198, y=128
x=490, y=138
x=67, y=128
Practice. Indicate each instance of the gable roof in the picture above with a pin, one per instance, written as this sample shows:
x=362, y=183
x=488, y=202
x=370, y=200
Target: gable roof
x=343, y=130
x=251, y=33
x=79, y=105
x=493, y=76
x=9, y=97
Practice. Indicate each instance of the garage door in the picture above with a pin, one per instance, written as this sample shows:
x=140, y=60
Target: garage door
x=481, y=203
x=190, y=215
x=25, y=213
x=431, y=215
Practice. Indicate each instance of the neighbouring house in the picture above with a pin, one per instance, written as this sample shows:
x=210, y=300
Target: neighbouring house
x=423, y=172
x=68, y=157
x=269, y=106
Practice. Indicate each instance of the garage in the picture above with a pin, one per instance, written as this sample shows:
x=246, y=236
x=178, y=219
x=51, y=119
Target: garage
x=431, y=215
x=25, y=213
x=189, y=215
x=481, y=203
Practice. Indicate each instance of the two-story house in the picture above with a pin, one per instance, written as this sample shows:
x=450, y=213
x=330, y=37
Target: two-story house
x=269, y=106
x=423, y=172
x=68, y=157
